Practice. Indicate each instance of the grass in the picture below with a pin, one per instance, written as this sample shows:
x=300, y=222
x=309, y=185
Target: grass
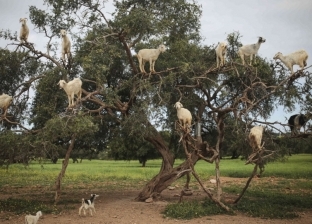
x=22, y=206
x=193, y=209
x=256, y=203
x=286, y=190
x=295, y=167
x=280, y=200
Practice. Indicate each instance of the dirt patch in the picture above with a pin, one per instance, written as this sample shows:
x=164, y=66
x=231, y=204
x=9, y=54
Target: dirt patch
x=120, y=208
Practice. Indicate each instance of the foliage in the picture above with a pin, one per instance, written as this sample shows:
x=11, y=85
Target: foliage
x=14, y=72
x=192, y=209
x=272, y=206
x=57, y=132
x=268, y=208
x=22, y=206
x=122, y=108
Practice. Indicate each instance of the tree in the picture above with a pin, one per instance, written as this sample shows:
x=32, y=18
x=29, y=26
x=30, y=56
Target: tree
x=128, y=147
x=117, y=97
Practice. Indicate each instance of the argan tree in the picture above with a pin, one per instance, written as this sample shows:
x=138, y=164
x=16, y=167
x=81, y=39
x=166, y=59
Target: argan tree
x=116, y=95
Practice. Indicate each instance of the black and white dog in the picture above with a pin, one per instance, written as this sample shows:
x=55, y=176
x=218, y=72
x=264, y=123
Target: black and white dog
x=88, y=204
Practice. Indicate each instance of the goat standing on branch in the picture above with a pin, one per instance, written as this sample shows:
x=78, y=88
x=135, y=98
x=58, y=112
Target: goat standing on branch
x=5, y=102
x=297, y=121
x=184, y=115
x=296, y=58
x=151, y=56
x=250, y=50
x=221, y=54
x=72, y=88
x=24, y=32
x=66, y=45
x=255, y=138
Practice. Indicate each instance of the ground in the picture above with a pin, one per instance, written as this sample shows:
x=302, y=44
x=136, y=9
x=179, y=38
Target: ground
x=119, y=207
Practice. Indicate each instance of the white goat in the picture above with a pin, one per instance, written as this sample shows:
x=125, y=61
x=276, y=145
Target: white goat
x=71, y=88
x=88, y=204
x=184, y=115
x=66, y=45
x=250, y=50
x=221, y=53
x=24, y=32
x=151, y=56
x=33, y=219
x=5, y=102
x=255, y=138
x=296, y=58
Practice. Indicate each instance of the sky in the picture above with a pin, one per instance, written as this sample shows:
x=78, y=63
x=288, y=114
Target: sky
x=285, y=24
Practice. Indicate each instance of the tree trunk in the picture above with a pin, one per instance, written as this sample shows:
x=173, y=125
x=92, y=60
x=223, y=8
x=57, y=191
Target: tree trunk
x=167, y=174
x=62, y=172
x=164, y=178
x=143, y=163
x=220, y=128
x=254, y=172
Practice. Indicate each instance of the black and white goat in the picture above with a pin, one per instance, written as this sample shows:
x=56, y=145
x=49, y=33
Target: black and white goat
x=297, y=121
x=88, y=204
x=250, y=50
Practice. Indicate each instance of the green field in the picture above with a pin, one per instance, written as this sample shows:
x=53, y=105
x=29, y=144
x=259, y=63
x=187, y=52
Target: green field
x=287, y=184
x=44, y=173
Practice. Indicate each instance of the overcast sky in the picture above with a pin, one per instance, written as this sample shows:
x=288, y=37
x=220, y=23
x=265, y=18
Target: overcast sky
x=285, y=24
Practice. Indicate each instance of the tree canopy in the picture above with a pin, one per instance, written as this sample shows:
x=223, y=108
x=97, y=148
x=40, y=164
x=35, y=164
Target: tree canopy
x=125, y=109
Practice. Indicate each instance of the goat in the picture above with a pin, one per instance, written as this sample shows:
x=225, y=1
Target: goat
x=184, y=115
x=5, y=102
x=71, y=88
x=24, y=32
x=221, y=53
x=250, y=50
x=66, y=45
x=255, y=138
x=33, y=219
x=296, y=58
x=151, y=56
x=297, y=121
x=88, y=204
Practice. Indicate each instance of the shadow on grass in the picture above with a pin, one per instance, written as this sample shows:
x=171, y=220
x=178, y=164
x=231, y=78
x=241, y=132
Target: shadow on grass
x=256, y=204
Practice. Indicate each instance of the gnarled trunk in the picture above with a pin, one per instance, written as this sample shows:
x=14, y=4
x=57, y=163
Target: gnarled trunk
x=167, y=174
x=220, y=128
x=62, y=172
